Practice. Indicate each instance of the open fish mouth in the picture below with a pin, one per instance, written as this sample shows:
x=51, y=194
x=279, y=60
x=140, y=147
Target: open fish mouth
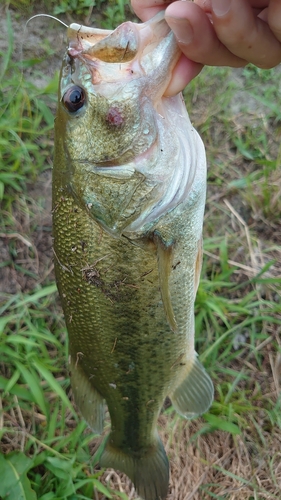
x=117, y=46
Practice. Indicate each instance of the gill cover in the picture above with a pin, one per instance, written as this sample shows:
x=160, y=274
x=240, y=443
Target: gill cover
x=131, y=151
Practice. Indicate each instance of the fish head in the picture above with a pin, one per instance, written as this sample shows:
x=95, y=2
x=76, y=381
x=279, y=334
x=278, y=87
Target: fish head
x=106, y=78
x=111, y=120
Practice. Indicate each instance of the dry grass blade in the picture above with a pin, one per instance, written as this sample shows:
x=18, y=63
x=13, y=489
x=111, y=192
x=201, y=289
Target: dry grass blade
x=213, y=466
x=238, y=305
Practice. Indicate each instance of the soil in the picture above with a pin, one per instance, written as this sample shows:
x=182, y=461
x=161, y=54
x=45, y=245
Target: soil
x=45, y=39
x=30, y=248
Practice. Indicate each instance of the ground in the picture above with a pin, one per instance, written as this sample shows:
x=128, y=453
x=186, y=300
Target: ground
x=233, y=452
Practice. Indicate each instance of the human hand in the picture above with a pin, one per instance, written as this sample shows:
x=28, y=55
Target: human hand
x=219, y=33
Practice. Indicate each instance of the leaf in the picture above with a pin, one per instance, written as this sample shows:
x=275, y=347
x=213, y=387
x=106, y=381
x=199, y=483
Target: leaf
x=33, y=383
x=46, y=112
x=20, y=391
x=223, y=425
x=54, y=385
x=14, y=483
x=8, y=53
x=101, y=488
x=93, y=482
x=12, y=381
x=5, y=320
x=47, y=290
x=273, y=106
x=52, y=86
x=48, y=496
x=120, y=494
x=59, y=464
x=63, y=470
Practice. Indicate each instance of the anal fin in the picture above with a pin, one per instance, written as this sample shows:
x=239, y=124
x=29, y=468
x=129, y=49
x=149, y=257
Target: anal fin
x=195, y=393
x=88, y=399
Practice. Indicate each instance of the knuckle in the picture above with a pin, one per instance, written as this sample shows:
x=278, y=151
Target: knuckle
x=275, y=26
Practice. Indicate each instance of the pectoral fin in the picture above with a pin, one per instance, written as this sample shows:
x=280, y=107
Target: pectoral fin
x=164, y=256
x=195, y=393
x=87, y=398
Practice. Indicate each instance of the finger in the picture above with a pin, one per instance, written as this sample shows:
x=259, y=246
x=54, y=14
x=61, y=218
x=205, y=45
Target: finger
x=274, y=18
x=183, y=73
x=245, y=34
x=196, y=36
x=206, y=5
x=148, y=8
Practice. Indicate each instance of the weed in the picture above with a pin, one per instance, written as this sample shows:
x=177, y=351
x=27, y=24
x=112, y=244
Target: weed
x=25, y=123
x=234, y=450
x=77, y=7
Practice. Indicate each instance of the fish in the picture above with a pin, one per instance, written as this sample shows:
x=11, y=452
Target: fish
x=129, y=187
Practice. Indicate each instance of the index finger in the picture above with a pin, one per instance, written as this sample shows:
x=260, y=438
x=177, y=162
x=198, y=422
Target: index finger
x=206, y=5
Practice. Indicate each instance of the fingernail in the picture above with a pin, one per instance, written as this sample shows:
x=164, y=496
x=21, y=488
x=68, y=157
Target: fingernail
x=221, y=7
x=182, y=29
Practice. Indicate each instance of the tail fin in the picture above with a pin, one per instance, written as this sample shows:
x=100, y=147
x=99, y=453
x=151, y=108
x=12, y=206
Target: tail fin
x=195, y=393
x=149, y=472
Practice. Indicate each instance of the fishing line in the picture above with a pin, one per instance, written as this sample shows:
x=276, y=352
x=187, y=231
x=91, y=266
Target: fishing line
x=25, y=32
x=21, y=65
x=44, y=15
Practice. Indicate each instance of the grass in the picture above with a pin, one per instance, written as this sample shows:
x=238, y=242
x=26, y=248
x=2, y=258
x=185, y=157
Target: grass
x=25, y=123
x=232, y=452
x=107, y=14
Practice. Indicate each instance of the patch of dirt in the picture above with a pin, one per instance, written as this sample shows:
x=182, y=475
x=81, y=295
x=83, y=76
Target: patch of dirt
x=41, y=39
x=210, y=465
x=28, y=250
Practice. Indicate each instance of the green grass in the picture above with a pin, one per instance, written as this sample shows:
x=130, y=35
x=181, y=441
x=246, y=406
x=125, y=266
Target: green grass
x=46, y=448
x=25, y=123
x=107, y=14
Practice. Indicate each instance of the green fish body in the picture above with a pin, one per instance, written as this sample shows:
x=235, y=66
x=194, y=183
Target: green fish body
x=129, y=187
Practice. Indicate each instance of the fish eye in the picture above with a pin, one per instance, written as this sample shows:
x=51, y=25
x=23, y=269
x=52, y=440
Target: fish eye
x=74, y=98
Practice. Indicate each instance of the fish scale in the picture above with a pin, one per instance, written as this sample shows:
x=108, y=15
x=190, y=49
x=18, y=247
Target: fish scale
x=127, y=226
x=87, y=304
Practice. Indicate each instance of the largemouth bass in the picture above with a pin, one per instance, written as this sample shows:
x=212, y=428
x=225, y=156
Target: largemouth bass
x=129, y=187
